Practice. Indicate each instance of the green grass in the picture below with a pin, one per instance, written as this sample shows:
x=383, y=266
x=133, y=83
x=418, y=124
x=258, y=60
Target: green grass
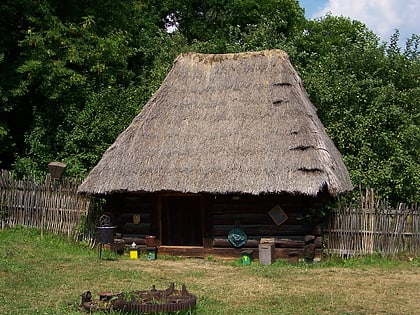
x=46, y=275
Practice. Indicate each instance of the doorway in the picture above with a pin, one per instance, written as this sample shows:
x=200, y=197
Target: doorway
x=182, y=221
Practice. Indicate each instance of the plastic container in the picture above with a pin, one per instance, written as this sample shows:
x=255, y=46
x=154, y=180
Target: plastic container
x=151, y=253
x=246, y=257
x=134, y=251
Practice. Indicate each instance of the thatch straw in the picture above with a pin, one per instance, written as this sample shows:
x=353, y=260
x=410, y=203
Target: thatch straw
x=233, y=123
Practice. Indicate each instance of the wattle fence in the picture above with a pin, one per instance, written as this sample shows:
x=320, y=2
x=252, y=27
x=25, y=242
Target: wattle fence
x=374, y=227
x=52, y=205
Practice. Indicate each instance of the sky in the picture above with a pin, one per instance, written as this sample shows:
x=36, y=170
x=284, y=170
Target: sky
x=380, y=16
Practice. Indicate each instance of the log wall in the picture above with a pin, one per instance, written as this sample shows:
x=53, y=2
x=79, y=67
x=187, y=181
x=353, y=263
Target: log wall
x=133, y=215
x=221, y=213
x=252, y=214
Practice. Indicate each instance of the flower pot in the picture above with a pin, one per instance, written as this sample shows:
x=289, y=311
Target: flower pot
x=150, y=241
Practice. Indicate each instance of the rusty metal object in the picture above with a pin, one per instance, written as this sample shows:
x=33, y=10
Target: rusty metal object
x=143, y=301
x=96, y=305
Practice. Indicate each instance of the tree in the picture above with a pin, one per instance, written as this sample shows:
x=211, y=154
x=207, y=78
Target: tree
x=60, y=66
x=222, y=26
x=367, y=96
x=15, y=113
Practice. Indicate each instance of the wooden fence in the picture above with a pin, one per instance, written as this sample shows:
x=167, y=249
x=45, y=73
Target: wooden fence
x=374, y=227
x=53, y=205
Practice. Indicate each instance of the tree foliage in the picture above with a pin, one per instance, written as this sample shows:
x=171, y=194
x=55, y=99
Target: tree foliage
x=74, y=73
x=222, y=22
x=367, y=95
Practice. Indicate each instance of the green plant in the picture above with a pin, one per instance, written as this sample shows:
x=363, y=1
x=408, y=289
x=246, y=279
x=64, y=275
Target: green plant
x=83, y=227
x=317, y=214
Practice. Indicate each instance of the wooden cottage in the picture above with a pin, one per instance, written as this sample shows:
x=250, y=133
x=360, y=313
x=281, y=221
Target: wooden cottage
x=228, y=151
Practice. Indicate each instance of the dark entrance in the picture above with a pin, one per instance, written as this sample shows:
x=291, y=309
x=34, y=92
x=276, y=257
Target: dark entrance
x=182, y=221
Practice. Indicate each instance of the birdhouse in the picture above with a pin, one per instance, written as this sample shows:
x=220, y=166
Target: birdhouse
x=56, y=169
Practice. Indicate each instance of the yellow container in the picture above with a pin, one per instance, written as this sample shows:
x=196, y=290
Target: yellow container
x=134, y=253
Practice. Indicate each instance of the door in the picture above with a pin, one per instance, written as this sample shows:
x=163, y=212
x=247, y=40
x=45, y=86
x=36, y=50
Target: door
x=182, y=221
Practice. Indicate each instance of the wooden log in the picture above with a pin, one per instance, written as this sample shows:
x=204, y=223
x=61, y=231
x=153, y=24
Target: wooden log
x=142, y=228
x=224, y=242
x=289, y=243
x=201, y=252
x=243, y=218
x=128, y=216
x=129, y=239
x=231, y=253
x=262, y=230
x=283, y=242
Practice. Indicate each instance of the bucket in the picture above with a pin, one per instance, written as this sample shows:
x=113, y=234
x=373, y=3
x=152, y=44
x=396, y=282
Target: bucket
x=151, y=253
x=105, y=234
x=150, y=241
x=134, y=253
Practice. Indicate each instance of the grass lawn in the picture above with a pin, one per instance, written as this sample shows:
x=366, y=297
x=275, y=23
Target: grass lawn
x=46, y=275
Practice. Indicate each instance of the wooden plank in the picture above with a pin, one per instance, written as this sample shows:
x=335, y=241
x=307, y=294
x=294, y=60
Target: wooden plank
x=262, y=230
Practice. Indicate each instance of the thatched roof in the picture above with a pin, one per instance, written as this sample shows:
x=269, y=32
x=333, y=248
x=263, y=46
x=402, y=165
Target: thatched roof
x=232, y=123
